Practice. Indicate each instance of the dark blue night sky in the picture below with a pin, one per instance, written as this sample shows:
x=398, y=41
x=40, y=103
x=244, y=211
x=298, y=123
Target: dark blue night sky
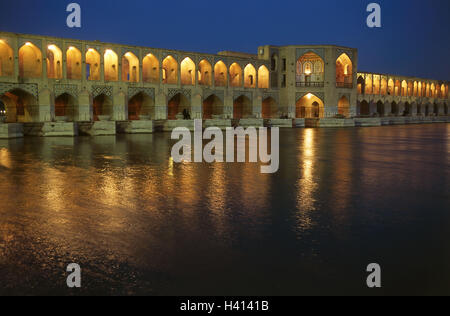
x=414, y=38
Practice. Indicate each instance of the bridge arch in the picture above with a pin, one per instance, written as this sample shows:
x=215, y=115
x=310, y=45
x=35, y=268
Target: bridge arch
x=73, y=63
x=170, y=70
x=150, y=69
x=102, y=106
x=20, y=106
x=364, y=108
x=394, y=108
x=408, y=109
x=242, y=107
x=235, y=75
x=66, y=106
x=391, y=87
x=384, y=86
x=269, y=108
x=111, y=65
x=344, y=106
x=130, y=67
x=220, y=74
x=54, y=62
x=361, y=85
x=344, y=69
x=398, y=88
x=188, y=72
x=92, y=64
x=380, y=108
x=212, y=105
x=263, y=77
x=30, y=61
x=369, y=84
x=177, y=105
x=250, y=76
x=6, y=60
x=309, y=106
x=139, y=105
x=204, y=73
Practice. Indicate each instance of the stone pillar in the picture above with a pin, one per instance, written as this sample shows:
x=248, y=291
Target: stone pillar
x=196, y=106
x=401, y=108
x=330, y=111
x=257, y=106
x=46, y=108
x=228, y=105
x=85, y=107
x=120, y=107
x=387, y=109
x=160, y=106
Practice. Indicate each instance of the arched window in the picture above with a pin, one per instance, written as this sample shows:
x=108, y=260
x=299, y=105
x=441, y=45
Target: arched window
x=130, y=67
x=263, y=77
x=73, y=63
x=187, y=72
x=6, y=59
x=111, y=66
x=54, y=62
x=310, y=68
x=344, y=71
x=30, y=61
x=250, y=76
x=150, y=69
x=235, y=75
x=170, y=70
x=92, y=64
x=204, y=73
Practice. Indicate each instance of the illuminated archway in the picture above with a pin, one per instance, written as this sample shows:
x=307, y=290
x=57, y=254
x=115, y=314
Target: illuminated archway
x=404, y=90
x=398, y=88
x=384, y=88
x=376, y=84
x=269, y=108
x=263, y=77
x=65, y=105
x=6, y=60
x=20, y=106
x=250, y=76
x=309, y=106
x=212, y=105
x=204, y=73
x=170, y=70
x=410, y=91
x=344, y=71
x=102, y=106
x=178, y=104
x=73, y=63
x=187, y=72
x=111, y=65
x=242, y=108
x=344, y=106
x=140, y=105
x=369, y=84
x=130, y=67
x=150, y=69
x=92, y=64
x=415, y=89
x=361, y=84
x=443, y=91
x=391, y=87
x=54, y=62
x=30, y=61
x=235, y=75
x=220, y=74
x=310, y=68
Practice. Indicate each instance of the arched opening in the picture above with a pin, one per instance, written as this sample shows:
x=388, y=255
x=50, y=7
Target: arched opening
x=361, y=85
x=235, y=75
x=212, y=105
x=170, y=70
x=435, y=109
x=150, y=69
x=407, y=111
x=427, y=91
x=187, y=72
x=54, y=62
x=420, y=90
x=404, y=89
x=269, y=108
x=65, y=106
x=111, y=66
x=310, y=69
x=410, y=89
x=141, y=106
x=415, y=89
x=344, y=71
x=92, y=64
x=242, y=108
x=376, y=84
x=73, y=63
x=130, y=68
x=30, y=61
x=364, y=108
x=103, y=107
x=398, y=88
x=263, y=77
x=6, y=60
x=220, y=74
x=309, y=106
x=274, y=62
x=369, y=84
x=204, y=73
x=427, y=110
x=391, y=87
x=383, y=88
x=394, y=109
x=445, y=109
x=419, y=109
x=380, y=108
x=344, y=106
x=442, y=91
x=20, y=106
x=250, y=76
x=179, y=105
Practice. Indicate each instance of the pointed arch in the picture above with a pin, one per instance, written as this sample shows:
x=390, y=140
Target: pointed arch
x=269, y=108
x=212, y=105
x=220, y=74
x=73, y=63
x=344, y=70
x=130, y=67
x=391, y=87
x=150, y=69
x=30, y=61
x=404, y=89
x=111, y=65
x=141, y=105
x=263, y=77
x=369, y=84
x=92, y=64
x=178, y=104
x=65, y=106
x=188, y=72
x=170, y=70
x=204, y=73
x=20, y=106
x=250, y=76
x=310, y=68
x=242, y=107
x=235, y=75
x=102, y=106
x=6, y=60
x=309, y=106
x=384, y=86
x=54, y=62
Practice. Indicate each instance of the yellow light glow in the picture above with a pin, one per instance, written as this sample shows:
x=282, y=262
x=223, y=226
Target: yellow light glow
x=108, y=52
x=51, y=47
x=309, y=95
x=28, y=44
x=308, y=72
x=90, y=50
x=71, y=48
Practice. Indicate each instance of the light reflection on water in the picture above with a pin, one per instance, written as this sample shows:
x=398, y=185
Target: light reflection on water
x=140, y=224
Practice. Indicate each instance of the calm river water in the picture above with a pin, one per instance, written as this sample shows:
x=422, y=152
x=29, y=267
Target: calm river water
x=139, y=224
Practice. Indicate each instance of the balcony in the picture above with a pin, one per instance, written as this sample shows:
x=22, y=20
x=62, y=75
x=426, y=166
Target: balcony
x=310, y=84
x=346, y=85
